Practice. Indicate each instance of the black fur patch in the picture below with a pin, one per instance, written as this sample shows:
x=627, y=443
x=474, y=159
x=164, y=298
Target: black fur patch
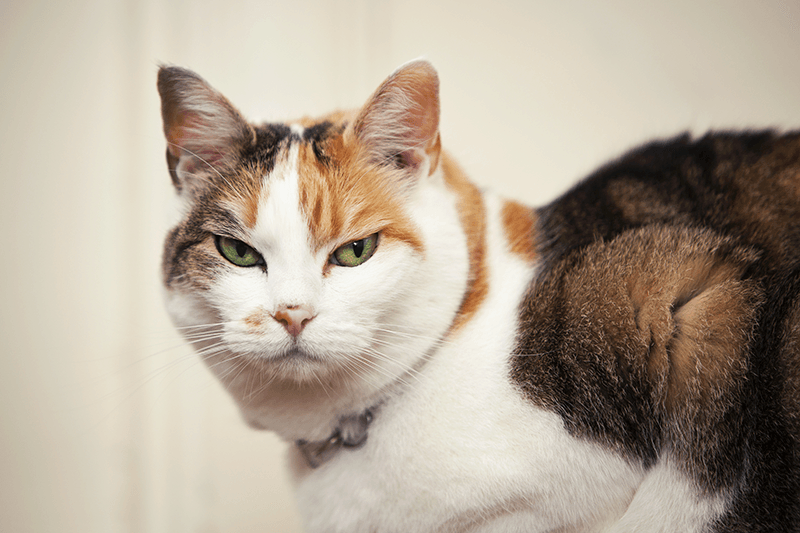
x=269, y=139
x=316, y=135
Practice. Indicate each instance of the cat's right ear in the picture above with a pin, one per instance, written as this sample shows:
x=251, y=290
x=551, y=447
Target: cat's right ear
x=399, y=124
x=204, y=132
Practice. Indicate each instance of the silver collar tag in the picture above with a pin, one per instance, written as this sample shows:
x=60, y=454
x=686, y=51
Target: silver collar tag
x=351, y=433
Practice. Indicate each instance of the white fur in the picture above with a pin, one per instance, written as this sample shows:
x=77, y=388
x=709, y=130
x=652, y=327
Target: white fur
x=668, y=501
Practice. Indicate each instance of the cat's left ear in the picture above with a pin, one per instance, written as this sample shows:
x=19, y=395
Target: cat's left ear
x=204, y=132
x=399, y=125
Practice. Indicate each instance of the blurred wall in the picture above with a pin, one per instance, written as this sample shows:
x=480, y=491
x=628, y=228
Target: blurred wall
x=107, y=422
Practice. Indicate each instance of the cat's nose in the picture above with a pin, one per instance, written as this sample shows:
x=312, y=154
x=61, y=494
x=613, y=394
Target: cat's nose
x=294, y=318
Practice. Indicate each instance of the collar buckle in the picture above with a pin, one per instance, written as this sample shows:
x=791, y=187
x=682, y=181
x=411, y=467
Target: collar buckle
x=351, y=433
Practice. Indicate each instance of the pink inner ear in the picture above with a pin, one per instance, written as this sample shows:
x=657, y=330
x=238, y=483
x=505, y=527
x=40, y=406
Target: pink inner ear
x=423, y=116
x=401, y=120
x=423, y=124
x=190, y=136
x=183, y=134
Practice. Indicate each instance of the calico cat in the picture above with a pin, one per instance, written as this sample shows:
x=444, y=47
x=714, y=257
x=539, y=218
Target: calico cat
x=443, y=359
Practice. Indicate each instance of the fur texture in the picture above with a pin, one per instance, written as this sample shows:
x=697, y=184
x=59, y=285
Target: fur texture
x=624, y=359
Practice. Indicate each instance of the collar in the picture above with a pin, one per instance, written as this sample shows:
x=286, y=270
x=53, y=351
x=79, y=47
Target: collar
x=351, y=433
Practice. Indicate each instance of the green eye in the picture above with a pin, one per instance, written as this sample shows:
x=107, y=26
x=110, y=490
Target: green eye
x=356, y=252
x=238, y=253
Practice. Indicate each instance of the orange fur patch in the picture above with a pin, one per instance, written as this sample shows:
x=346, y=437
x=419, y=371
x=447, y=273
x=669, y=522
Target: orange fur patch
x=241, y=193
x=473, y=220
x=251, y=194
x=350, y=199
x=255, y=320
x=519, y=224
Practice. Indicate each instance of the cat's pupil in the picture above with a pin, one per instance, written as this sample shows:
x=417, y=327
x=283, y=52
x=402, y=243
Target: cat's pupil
x=358, y=248
x=241, y=249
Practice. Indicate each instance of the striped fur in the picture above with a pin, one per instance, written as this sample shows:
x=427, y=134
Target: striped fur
x=623, y=359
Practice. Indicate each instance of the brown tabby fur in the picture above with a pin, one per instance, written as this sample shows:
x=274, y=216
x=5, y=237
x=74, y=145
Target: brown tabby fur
x=665, y=319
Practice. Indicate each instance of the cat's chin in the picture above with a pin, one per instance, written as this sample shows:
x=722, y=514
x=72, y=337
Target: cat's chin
x=298, y=395
x=298, y=365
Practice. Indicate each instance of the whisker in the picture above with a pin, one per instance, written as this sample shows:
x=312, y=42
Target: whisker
x=200, y=337
x=355, y=367
x=241, y=365
x=375, y=366
x=128, y=391
x=261, y=386
x=204, y=326
x=514, y=354
x=396, y=329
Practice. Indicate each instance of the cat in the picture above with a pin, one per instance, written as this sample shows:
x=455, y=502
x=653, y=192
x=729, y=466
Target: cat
x=444, y=359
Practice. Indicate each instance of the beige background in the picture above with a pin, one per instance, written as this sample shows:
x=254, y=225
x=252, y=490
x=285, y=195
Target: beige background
x=108, y=424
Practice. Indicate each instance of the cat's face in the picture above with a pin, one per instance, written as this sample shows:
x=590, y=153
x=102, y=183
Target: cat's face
x=300, y=273
x=319, y=252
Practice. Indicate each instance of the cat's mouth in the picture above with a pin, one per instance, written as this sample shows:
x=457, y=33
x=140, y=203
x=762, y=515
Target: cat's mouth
x=299, y=365
x=296, y=354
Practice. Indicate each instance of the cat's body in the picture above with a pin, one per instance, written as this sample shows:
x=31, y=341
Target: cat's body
x=624, y=359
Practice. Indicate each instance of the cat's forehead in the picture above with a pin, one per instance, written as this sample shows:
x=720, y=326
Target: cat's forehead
x=308, y=171
x=243, y=190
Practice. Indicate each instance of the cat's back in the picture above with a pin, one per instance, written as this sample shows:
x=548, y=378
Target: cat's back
x=744, y=184
x=666, y=316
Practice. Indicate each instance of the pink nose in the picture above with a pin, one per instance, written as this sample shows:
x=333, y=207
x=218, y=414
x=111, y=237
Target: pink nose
x=294, y=318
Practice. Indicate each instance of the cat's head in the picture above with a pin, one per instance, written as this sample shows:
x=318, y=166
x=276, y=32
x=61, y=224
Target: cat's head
x=317, y=252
